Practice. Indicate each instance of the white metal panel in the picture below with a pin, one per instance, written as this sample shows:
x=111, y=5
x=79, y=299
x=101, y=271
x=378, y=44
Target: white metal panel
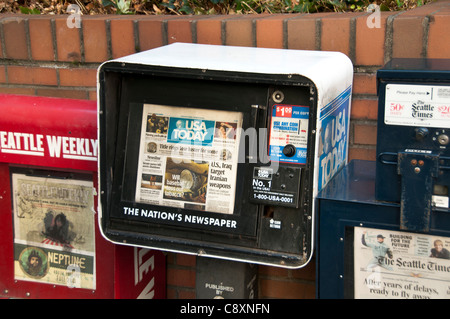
x=331, y=72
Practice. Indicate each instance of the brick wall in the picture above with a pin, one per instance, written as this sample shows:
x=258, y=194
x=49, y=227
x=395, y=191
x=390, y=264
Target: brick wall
x=40, y=55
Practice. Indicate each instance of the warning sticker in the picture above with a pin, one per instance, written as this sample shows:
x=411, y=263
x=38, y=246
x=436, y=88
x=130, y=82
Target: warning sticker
x=417, y=105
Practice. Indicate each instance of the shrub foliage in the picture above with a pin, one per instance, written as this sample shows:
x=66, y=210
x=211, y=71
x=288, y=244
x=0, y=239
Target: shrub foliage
x=183, y=7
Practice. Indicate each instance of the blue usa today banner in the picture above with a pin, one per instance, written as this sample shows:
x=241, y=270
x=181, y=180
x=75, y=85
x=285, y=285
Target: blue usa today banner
x=190, y=131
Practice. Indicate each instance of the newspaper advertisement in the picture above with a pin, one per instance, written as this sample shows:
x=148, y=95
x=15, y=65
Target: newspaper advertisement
x=400, y=265
x=417, y=105
x=54, y=231
x=188, y=158
x=289, y=125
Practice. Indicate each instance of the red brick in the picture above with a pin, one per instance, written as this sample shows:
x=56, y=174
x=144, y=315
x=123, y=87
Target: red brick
x=364, y=83
x=63, y=93
x=32, y=75
x=41, y=39
x=2, y=74
x=68, y=41
x=439, y=36
x=16, y=90
x=286, y=289
x=92, y=95
x=171, y=258
x=269, y=32
x=94, y=40
x=186, y=294
x=369, y=40
x=364, y=108
x=122, y=37
x=171, y=293
x=365, y=134
x=306, y=273
x=368, y=154
x=273, y=271
x=407, y=37
x=186, y=260
x=209, y=31
x=15, y=38
x=336, y=33
x=180, y=277
x=239, y=31
x=150, y=33
x=78, y=77
x=301, y=33
x=179, y=30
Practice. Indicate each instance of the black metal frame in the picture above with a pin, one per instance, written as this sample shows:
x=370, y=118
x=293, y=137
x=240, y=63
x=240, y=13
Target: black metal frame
x=124, y=88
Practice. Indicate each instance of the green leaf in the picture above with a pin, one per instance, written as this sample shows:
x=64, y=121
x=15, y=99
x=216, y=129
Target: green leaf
x=384, y=7
x=123, y=6
x=106, y=3
x=169, y=5
x=186, y=9
x=302, y=8
x=25, y=10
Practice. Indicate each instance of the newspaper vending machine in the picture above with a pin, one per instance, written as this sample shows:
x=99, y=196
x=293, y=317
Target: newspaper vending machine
x=219, y=151
x=50, y=243
x=414, y=167
x=384, y=225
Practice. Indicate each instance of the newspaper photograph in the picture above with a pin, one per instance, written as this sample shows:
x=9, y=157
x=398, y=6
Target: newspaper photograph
x=54, y=231
x=188, y=158
x=400, y=265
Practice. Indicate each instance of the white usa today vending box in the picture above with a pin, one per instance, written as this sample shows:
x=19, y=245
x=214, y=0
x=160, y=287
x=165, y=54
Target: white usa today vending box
x=219, y=151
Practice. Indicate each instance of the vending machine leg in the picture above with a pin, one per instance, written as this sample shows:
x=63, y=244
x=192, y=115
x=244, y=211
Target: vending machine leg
x=225, y=279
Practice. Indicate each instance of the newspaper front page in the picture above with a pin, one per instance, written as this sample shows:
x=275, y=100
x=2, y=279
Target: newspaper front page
x=400, y=265
x=54, y=231
x=188, y=158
